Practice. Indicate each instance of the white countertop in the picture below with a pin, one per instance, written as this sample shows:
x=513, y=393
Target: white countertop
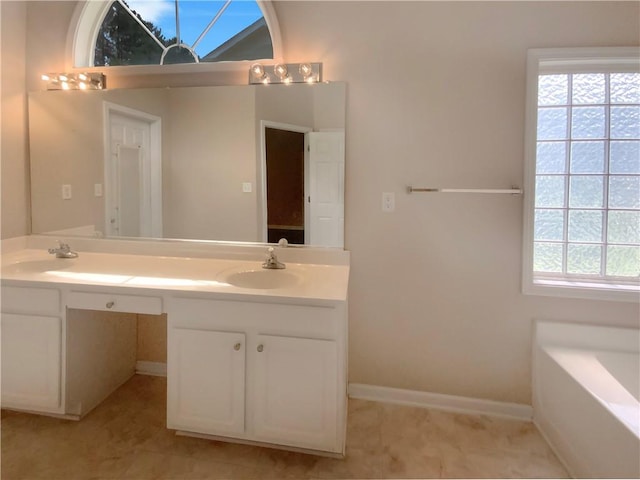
x=304, y=281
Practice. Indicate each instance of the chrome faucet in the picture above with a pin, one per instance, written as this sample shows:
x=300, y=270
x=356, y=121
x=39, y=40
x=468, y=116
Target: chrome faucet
x=272, y=262
x=63, y=251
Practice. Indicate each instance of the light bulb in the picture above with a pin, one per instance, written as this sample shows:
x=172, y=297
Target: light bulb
x=83, y=77
x=82, y=85
x=305, y=70
x=281, y=71
x=286, y=80
x=65, y=86
x=45, y=77
x=63, y=78
x=257, y=70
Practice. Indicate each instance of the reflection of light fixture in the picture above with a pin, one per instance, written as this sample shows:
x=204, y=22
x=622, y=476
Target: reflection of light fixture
x=74, y=81
x=285, y=73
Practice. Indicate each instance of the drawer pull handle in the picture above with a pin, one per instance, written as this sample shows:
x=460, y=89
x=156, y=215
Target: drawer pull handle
x=237, y=346
x=110, y=304
x=260, y=347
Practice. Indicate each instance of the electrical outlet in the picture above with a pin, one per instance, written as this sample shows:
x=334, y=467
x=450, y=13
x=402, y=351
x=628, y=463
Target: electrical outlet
x=388, y=201
x=97, y=189
x=66, y=192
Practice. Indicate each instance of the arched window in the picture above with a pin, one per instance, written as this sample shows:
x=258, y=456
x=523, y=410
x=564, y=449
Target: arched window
x=161, y=32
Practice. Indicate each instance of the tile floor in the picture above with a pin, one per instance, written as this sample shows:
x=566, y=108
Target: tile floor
x=125, y=438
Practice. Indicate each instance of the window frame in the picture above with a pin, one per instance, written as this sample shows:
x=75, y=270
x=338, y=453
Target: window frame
x=87, y=20
x=551, y=61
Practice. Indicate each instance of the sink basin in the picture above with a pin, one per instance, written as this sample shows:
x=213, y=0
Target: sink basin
x=262, y=279
x=34, y=266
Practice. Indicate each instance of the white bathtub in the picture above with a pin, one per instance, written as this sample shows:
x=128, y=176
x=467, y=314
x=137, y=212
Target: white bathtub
x=586, y=397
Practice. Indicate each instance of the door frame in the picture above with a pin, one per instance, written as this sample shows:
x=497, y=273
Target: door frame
x=262, y=171
x=155, y=162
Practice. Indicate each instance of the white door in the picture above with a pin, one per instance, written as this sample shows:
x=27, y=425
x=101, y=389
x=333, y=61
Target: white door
x=205, y=381
x=31, y=362
x=324, y=181
x=295, y=399
x=132, y=178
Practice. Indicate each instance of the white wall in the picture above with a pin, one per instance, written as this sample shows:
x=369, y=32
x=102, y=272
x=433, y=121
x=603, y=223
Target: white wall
x=435, y=98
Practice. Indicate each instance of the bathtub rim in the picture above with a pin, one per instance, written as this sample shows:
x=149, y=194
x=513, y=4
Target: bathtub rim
x=564, y=357
x=565, y=334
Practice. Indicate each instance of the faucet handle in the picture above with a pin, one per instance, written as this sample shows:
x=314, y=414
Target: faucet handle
x=272, y=261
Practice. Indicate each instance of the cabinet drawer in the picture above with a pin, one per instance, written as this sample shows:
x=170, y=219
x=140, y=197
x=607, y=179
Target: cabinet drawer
x=269, y=318
x=31, y=300
x=115, y=303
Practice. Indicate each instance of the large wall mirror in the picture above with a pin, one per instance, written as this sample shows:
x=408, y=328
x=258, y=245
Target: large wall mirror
x=234, y=163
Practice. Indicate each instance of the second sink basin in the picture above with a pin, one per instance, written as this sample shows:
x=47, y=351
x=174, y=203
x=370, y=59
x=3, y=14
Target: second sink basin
x=262, y=279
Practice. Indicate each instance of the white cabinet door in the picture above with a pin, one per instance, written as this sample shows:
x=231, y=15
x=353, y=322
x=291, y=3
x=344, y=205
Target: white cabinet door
x=206, y=381
x=296, y=392
x=31, y=362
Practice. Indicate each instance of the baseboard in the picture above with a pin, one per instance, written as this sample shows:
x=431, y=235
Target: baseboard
x=155, y=369
x=438, y=401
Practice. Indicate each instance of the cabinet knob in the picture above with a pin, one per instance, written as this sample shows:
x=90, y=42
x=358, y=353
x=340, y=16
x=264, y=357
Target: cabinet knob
x=110, y=304
x=237, y=346
x=260, y=347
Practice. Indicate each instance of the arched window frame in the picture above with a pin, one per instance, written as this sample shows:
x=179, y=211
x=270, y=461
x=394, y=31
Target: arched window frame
x=87, y=20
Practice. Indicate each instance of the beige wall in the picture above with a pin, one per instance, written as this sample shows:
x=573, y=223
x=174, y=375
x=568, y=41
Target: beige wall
x=211, y=156
x=66, y=147
x=13, y=140
x=435, y=98
x=152, y=338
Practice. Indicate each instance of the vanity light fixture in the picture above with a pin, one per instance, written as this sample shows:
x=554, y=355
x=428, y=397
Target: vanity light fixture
x=285, y=73
x=282, y=72
x=74, y=81
x=257, y=73
x=306, y=70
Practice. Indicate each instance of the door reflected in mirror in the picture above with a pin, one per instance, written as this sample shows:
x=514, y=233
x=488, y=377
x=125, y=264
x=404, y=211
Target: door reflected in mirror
x=235, y=163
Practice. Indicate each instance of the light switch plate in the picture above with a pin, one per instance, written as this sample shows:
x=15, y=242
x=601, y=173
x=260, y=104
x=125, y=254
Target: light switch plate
x=247, y=187
x=66, y=192
x=97, y=189
x=388, y=201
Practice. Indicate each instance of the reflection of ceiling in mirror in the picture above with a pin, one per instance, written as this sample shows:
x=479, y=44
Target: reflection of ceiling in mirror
x=209, y=157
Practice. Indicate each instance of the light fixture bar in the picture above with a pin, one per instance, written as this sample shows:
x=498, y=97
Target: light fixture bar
x=304, y=72
x=75, y=81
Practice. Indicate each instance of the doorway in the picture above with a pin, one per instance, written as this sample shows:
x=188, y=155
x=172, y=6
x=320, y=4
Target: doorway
x=285, y=185
x=133, y=173
x=283, y=182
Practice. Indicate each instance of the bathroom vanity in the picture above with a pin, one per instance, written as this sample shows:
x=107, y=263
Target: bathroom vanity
x=253, y=355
